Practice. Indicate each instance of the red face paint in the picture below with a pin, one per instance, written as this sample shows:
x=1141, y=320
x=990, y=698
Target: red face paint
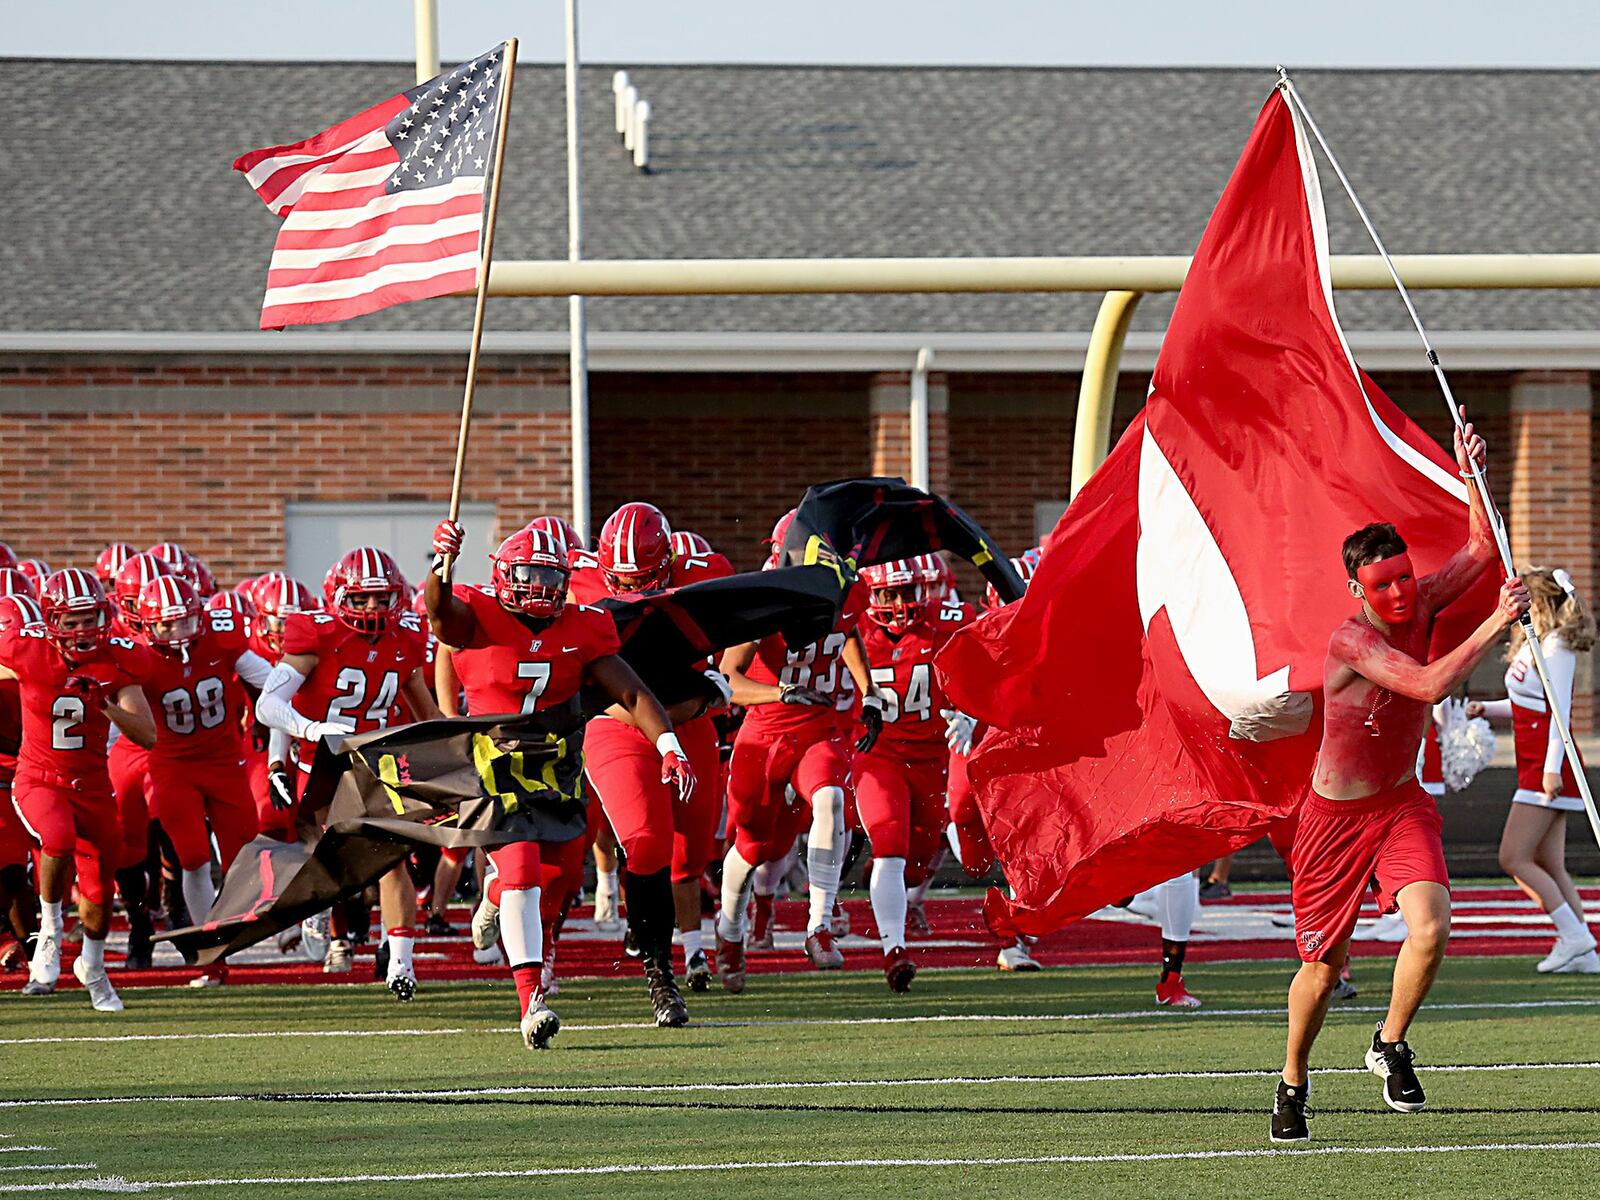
x=1389, y=586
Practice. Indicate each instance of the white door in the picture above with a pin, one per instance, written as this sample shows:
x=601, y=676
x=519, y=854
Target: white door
x=316, y=534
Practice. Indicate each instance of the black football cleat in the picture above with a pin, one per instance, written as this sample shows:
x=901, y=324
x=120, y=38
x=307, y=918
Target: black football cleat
x=671, y=1011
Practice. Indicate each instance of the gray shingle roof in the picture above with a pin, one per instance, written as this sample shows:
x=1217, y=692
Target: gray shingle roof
x=120, y=211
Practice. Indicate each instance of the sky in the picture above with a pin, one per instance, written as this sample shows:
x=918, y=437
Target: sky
x=1297, y=33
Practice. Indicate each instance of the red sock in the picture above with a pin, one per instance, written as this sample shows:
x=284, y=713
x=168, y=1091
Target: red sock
x=528, y=989
x=494, y=891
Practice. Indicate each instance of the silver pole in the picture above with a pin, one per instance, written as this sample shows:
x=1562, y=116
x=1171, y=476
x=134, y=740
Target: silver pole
x=1478, y=481
x=919, y=419
x=579, y=357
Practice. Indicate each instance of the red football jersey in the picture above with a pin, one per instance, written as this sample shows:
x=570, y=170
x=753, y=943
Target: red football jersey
x=356, y=682
x=817, y=666
x=198, y=704
x=588, y=585
x=508, y=668
x=10, y=728
x=902, y=668
x=61, y=733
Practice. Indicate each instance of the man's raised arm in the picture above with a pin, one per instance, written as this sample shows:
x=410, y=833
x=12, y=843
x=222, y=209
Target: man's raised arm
x=1464, y=567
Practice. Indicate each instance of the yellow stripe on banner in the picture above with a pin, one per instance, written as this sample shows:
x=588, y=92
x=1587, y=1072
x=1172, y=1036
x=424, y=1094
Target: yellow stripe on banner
x=981, y=557
x=484, y=756
x=818, y=551
x=389, y=776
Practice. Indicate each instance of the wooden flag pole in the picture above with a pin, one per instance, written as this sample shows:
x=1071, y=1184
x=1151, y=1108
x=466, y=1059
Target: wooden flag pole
x=1496, y=522
x=502, y=121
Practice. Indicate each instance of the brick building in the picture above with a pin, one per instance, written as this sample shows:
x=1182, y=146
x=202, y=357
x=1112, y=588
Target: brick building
x=138, y=401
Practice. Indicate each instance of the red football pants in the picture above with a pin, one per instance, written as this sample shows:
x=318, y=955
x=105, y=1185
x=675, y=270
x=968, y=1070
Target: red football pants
x=654, y=828
x=763, y=823
x=900, y=804
x=69, y=821
x=187, y=795
x=130, y=780
x=977, y=853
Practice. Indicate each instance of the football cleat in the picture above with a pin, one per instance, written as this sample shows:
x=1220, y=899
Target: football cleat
x=213, y=976
x=671, y=1011
x=630, y=944
x=606, y=919
x=1017, y=957
x=539, y=1025
x=1584, y=964
x=839, y=922
x=485, y=923
x=141, y=953
x=1565, y=951
x=1390, y=927
x=402, y=984
x=338, y=959
x=1394, y=1063
x=314, y=936
x=13, y=957
x=45, y=967
x=1290, y=1112
x=762, y=925
x=697, y=971
x=730, y=964
x=917, y=919
x=1344, y=989
x=1215, y=889
x=824, y=955
x=489, y=958
x=438, y=925
x=1171, y=992
x=898, y=970
x=98, y=984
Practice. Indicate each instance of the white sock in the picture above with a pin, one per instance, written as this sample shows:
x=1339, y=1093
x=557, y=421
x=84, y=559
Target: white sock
x=198, y=894
x=1568, y=924
x=521, y=927
x=1177, y=901
x=888, y=890
x=400, y=945
x=766, y=878
x=825, y=854
x=50, y=918
x=737, y=876
x=605, y=885
x=693, y=942
x=94, y=955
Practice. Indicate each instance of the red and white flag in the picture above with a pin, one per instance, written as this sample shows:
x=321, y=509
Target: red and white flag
x=1155, y=698
x=384, y=207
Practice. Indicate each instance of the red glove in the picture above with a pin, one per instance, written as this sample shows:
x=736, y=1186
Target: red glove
x=87, y=686
x=675, y=767
x=447, y=538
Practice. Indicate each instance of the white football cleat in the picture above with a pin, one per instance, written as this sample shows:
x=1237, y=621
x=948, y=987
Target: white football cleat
x=539, y=1025
x=44, y=969
x=338, y=960
x=101, y=994
x=1584, y=964
x=1567, y=950
x=1017, y=957
x=489, y=958
x=402, y=983
x=314, y=936
x=1390, y=927
x=485, y=924
x=606, y=918
x=289, y=939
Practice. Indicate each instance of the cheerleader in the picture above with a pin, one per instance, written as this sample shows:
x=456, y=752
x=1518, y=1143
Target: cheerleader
x=1533, y=846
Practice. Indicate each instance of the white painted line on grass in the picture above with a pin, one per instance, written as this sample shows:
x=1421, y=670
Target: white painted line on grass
x=1170, y=1014
x=602, y=1089
x=117, y=1184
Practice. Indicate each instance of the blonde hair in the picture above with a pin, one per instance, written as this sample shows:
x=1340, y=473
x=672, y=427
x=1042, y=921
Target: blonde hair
x=1554, y=610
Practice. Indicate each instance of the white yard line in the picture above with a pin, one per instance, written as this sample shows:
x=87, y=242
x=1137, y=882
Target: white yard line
x=117, y=1184
x=757, y=1086
x=756, y=1023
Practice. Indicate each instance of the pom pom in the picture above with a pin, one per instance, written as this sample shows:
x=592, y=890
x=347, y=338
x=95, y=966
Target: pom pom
x=1466, y=745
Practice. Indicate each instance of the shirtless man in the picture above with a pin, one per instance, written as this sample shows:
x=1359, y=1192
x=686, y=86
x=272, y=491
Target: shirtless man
x=1367, y=819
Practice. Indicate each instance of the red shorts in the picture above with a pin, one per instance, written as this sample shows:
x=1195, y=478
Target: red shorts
x=67, y=818
x=900, y=804
x=188, y=795
x=654, y=828
x=15, y=844
x=977, y=854
x=129, y=765
x=763, y=822
x=1387, y=840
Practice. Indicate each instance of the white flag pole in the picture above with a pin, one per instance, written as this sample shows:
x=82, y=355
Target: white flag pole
x=577, y=318
x=1496, y=523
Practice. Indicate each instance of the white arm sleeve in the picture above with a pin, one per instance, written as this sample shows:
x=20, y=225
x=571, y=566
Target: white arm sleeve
x=1497, y=708
x=276, y=708
x=253, y=669
x=277, y=747
x=1561, y=662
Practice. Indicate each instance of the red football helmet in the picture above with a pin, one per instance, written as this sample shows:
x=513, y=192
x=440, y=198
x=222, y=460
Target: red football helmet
x=278, y=594
x=18, y=609
x=14, y=583
x=8, y=556
x=237, y=603
x=76, y=612
x=779, y=532
x=35, y=569
x=170, y=612
x=139, y=570
x=897, y=597
x=636, y=549
x=565, y=535
x=531, y=574
x=1024, y=565
x=204, y=581
x=174, y=555
x=370, y=573
x=109, y=561
x=937, y=576
x=690, y=545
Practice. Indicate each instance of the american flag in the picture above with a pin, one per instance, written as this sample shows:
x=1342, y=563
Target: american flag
x=386, y=206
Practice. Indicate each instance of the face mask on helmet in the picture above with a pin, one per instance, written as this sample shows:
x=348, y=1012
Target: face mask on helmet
x=897, y=607
x=535, y=590
x=78, y=633
x=369, y=612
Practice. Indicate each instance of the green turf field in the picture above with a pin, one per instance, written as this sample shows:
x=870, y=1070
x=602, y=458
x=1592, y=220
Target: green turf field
x=843, y=1031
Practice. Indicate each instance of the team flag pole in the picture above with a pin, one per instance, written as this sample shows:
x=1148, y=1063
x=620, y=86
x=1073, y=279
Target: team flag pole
x=501, y=123
x=1496, y=522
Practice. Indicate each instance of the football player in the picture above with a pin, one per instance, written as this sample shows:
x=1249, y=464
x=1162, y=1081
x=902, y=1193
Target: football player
x=520, y=647
x=19, y=903
x=341, y=673
x=793, y=740
x=75, y=681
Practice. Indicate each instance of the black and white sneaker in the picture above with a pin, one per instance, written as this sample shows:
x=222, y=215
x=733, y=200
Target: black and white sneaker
x=671, y=1011
x=1290, y=1112
x=1392, y=1063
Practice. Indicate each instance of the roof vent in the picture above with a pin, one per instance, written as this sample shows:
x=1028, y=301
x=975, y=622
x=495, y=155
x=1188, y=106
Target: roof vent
x=632, y=120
